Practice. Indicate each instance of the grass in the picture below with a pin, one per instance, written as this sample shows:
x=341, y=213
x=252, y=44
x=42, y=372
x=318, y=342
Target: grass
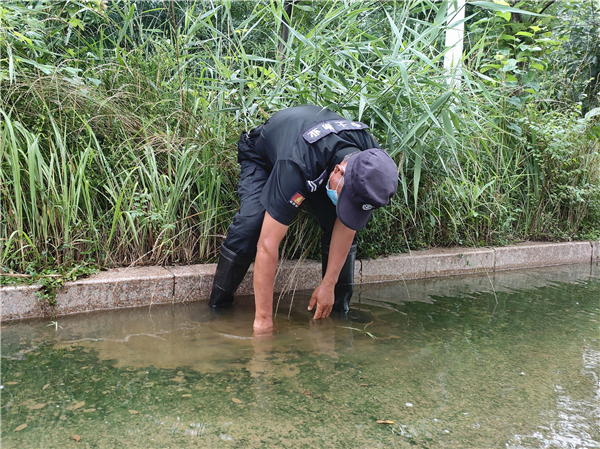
x=119, y=147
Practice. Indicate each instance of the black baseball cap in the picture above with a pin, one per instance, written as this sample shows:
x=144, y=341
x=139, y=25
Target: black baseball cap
x=370, y=180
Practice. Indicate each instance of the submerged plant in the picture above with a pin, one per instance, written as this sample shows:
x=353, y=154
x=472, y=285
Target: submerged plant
x=362, y=331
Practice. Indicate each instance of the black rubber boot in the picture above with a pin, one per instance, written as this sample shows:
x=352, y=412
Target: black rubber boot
x=345, y=284
x=231, y=270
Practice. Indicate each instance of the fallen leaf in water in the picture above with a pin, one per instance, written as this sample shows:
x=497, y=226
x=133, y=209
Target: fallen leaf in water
x=307, y=393
x=37, y=406
x=384, y=421
x=89, y=410
x=45, y=386
x=236, y=400
x=133, y=412
x=76, y=438
x=21, y=427
x=186, y=395
x=63, y=418
x=11, y=383
x=76, y=406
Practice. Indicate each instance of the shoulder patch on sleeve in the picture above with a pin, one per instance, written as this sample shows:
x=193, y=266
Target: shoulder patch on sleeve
x=320, y=130
x=313, y=185
x=296, y=200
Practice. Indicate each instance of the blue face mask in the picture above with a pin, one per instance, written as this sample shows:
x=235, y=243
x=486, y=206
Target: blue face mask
x=332, y=193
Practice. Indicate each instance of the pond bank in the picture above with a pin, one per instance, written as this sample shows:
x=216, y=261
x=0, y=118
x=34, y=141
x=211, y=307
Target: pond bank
x=142, y=286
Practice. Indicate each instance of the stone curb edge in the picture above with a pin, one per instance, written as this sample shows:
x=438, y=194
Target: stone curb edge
x=142, y=286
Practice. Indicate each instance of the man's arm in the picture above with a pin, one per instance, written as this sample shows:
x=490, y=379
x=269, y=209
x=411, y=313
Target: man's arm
x=324, y=296
x=265, y=267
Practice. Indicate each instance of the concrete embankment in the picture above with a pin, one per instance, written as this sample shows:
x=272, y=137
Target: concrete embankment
x=142, y=286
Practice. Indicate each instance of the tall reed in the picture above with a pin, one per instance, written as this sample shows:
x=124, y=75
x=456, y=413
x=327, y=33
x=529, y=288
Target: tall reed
x=129, y=156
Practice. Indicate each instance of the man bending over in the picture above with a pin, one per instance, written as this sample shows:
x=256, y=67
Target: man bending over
x=302, y=153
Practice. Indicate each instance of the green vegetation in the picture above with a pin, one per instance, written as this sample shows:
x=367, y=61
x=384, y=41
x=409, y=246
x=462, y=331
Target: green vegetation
x=119, y=121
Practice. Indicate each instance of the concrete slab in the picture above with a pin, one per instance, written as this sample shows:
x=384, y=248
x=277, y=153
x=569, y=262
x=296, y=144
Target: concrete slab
x=525, y=255
x=122, y=287
x=129, y=287
x=421, y=264
x=394, y=295
x=595, y=250
x=18, y=302
x=192, y=282
x=394, y=268
x=290, y=275
x=451, y=261
x=297, y=275
x=247, y=285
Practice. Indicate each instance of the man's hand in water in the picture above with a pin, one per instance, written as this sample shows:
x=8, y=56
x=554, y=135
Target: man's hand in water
x=323, y=297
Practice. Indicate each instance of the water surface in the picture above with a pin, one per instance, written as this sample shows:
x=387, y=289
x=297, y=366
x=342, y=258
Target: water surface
x=510, y=360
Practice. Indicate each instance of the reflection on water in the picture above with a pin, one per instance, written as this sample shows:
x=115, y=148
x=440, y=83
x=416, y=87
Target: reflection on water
x=573, y=424
x=506, y=360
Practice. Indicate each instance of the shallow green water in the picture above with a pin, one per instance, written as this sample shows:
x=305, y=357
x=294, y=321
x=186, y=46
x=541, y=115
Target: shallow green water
x=453, y=363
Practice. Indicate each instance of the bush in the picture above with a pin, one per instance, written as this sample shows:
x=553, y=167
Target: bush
x=119, y=127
